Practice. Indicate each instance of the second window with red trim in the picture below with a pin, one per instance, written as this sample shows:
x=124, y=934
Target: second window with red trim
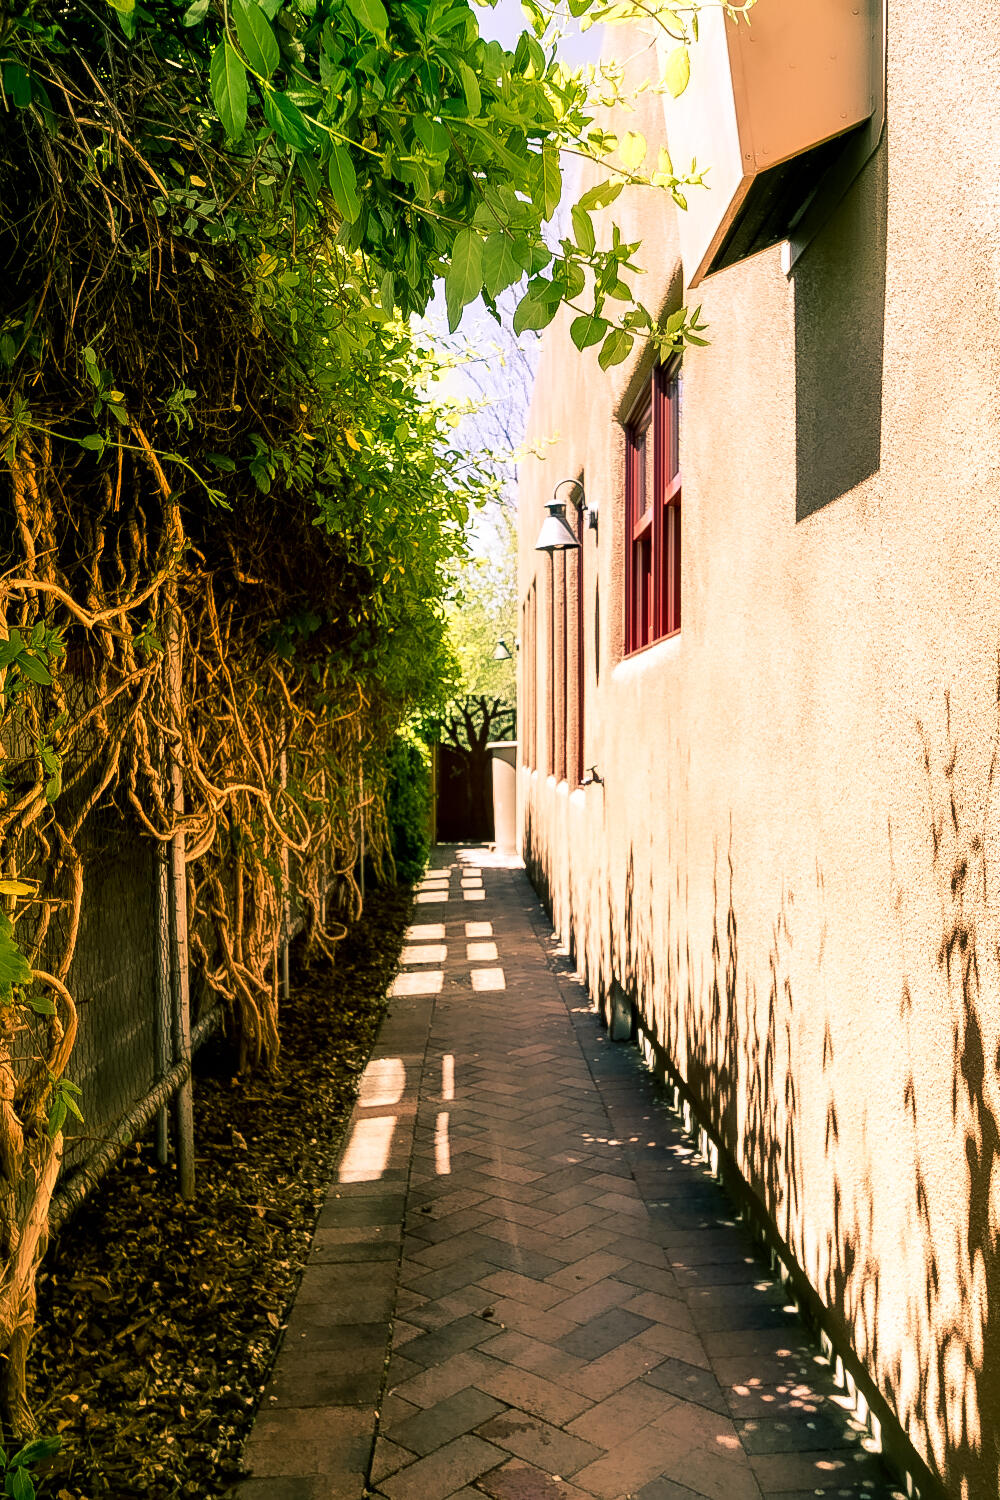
x=653, y=511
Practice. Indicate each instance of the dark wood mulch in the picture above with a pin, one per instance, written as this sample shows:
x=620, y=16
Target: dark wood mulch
x=159, y=1320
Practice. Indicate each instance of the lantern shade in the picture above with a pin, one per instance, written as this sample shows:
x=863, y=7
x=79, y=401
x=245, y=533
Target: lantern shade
x=502, y=651
x=556, y=534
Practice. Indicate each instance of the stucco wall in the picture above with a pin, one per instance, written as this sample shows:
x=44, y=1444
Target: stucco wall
x=792, y=864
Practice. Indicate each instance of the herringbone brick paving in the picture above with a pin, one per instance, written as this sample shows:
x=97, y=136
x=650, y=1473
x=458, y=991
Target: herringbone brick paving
x=566, y=1307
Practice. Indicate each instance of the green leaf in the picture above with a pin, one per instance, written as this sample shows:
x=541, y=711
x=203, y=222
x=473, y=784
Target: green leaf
x=470, y=88
x=23, y=1487
x=532, y=313
x=501, y=263
x=344, y=183
x=16, y=888
x=587, y=329
x=11, y=648
x=678, y=71
x=464, y=280
x=57, y=1115
x=17, y=84
x=615, y=348
x=583, y=229
x=371, y=14
x=195, y=14
x=14, y=967
x=42, y=1005
x=632, y=149
x=601, y=195
x=551, y=180
x=286, y=119
x=33, y=669
x=256, y=37
x=37, y=1450
x=94, y=443
x=229, y=89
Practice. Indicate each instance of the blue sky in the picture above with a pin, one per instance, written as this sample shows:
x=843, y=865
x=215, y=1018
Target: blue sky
x=505, y=22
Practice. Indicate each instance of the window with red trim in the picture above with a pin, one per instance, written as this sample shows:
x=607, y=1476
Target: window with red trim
x=653, y=512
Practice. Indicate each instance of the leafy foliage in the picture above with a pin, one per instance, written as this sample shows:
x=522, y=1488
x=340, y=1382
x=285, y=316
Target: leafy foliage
x=408, y=809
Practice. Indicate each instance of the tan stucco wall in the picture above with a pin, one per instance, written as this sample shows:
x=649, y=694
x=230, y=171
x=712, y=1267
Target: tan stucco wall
x=793, y=861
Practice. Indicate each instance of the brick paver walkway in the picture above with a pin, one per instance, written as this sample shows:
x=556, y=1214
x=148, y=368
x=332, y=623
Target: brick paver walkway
x=518, y=1228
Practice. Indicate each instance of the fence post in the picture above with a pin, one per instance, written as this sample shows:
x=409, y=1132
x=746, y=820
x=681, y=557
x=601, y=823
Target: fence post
x=164, y=998
x=323, y=874
x=179, y=934
x=286, y=914
x=361, y=785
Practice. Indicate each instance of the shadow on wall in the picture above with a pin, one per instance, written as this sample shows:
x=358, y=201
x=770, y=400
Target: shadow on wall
x=839, y=331
x=955, y=1406
x=733, y=1048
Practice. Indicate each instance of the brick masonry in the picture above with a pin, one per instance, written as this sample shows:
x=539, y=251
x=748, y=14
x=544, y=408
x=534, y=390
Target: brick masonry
x=522, y=1284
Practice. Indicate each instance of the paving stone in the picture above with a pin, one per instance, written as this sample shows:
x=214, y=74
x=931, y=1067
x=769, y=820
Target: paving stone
x=532, y=1354
x=823, y=1470
x=335, y=1441
x=443, y=1472
x=297, y=1487
x=539, y=1442
x=611, y=1421
x=348, y=1376
x=603, y=1334
x=425, y=1430
x=690, y=1383
x=533, y=1393
x=518, y=1480
x=389, y=1457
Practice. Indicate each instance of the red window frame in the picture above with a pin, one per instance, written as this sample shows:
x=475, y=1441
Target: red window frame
x=653, y=521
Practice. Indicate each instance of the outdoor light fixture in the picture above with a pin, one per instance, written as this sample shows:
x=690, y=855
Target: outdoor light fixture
x=556, y=534
x=501, y=653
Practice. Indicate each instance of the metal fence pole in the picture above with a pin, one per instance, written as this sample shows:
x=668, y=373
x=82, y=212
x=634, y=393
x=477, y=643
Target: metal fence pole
x=286, y=905
x=179, y=934
x=361, y=784
x=323, y=876
x=164, y=999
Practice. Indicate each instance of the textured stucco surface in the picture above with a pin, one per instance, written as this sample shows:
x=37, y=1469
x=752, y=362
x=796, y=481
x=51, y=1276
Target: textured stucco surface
x=792, y=864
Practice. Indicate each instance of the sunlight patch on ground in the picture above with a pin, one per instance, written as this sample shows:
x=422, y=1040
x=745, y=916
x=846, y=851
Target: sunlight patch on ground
x=431, y=953
x=382, y=1082
x=488, y=979
x=368, y=1149
x=428, y=982
x=442, y=1150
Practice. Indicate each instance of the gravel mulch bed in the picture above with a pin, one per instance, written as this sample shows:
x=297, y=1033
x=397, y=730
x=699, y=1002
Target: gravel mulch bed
x=159, y=1320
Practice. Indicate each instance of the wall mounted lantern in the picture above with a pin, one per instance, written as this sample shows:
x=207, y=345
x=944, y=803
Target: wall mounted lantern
x=502, y=651
x=556, y=534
